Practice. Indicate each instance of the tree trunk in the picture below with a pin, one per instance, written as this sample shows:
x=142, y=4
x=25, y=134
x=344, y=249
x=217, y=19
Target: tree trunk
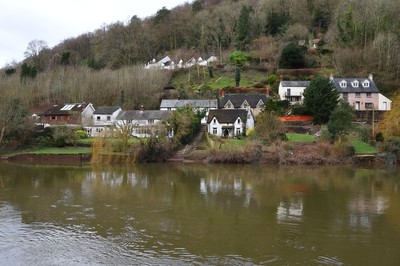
x=2, y=134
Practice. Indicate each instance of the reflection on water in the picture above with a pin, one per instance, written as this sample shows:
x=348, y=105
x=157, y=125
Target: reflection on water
x=199, y=214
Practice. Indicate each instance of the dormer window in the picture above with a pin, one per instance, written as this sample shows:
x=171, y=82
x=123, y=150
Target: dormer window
x=355, y=84
x=366, y=84
x=343, y=84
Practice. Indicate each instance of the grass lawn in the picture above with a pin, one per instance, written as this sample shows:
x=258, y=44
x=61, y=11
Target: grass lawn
x=362, y=147
x=295, y=137
x=68, y=150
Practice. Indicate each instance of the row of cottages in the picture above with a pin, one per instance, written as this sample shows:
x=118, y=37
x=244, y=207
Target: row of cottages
x=197, y=105
x=167, y=63
x=228, y=116
x=361, y=93
x=140, y=123
x=103, y=120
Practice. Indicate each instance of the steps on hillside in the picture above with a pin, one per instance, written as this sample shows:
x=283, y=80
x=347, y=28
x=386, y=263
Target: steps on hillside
x=179, y=155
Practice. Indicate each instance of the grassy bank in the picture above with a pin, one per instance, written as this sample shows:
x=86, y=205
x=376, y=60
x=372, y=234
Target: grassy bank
x=363, y=148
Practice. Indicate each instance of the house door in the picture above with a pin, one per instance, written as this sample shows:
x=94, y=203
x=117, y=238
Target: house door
x=226, y=133
x=384, y=105
x=357, y=106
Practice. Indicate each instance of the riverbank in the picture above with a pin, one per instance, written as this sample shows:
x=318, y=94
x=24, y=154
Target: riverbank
x=293, y=154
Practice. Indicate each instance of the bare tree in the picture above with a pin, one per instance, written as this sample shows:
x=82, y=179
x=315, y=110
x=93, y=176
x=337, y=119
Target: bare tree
x=35, y=51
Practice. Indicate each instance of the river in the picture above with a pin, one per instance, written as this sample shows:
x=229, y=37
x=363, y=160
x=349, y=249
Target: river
x=167, y=214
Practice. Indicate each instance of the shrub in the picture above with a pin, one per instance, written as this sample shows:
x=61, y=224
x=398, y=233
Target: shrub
x=392, y=146
x=81, y=134
x=379, y=137
x=63, y=136
x=343, y=149
x=272, y=79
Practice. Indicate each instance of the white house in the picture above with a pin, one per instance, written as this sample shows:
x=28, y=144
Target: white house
x=229, y=122
x=293, y=91
x=103, y=119
x=197, y=105
x=142, y=123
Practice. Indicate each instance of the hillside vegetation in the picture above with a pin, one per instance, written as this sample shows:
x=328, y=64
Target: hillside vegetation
x=105, y=67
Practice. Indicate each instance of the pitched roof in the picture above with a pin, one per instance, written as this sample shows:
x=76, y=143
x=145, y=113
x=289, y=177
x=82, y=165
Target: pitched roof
x=295, y=83
x=66, y=109
x=143, y=114
x=106, y=110
x=350, y=88
x=227, y=115
x=175, y=103
x=237, y=99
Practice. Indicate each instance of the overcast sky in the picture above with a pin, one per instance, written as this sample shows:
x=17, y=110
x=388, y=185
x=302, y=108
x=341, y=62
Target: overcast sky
x=53, y=21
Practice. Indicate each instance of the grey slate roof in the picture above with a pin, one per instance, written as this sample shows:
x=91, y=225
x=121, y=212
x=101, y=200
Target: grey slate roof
x=143, y=115
x=66, y=109
x=106, y=110
x=227, y=115
x=295, y=83
x=349, y=88
x=175, y=103
x=238, y=99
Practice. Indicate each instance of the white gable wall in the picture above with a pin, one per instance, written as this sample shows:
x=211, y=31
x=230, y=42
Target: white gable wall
x=384, y=104
x=294, y=91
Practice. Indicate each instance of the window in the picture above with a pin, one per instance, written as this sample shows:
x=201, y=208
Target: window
x=151, y=121
x=238, y=121
x=369, y=95
x=214, y=131
x=288, y=92
x=357, y=105
x=369, y=106
x=98, y=118
x=358, y=95
x=214, y=121
x=108, y=118
x=345, y=95
x=238, y=131
x=53, y=118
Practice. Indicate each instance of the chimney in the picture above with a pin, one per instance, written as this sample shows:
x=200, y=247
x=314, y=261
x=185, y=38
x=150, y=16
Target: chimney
x=371, y=77
x=221, y=92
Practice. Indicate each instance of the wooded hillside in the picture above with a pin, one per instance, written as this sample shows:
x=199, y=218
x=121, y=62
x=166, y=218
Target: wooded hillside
x=354, y=38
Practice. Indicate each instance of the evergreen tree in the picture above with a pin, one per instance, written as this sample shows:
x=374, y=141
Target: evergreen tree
x=276, y=22
x=244, y=35
x=321, y=98
x=340, y=121
x=292, y=57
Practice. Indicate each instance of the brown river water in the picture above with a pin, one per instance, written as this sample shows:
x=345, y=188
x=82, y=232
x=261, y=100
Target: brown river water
x=167, y=214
